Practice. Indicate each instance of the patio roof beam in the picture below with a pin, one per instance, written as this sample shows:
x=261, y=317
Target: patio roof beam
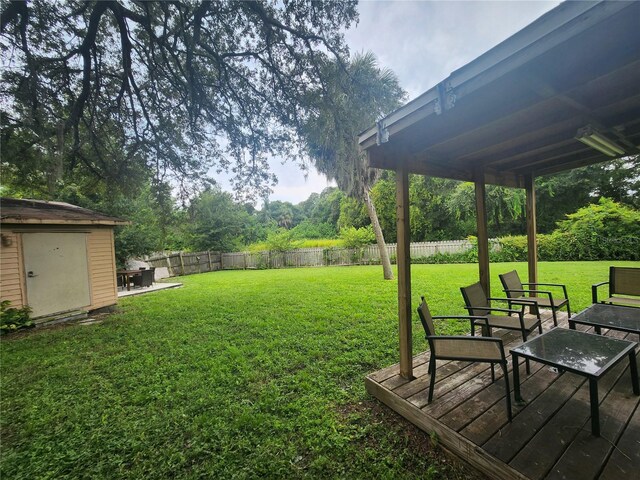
x=424, y=165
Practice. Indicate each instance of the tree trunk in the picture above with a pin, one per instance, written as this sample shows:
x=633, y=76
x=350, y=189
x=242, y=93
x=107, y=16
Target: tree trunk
x=384, y=255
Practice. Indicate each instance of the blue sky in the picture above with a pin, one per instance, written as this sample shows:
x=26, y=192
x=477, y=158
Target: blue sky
x=422, y=42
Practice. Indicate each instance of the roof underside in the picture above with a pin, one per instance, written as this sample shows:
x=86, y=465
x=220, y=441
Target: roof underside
x=26, y=211
x=515, y=110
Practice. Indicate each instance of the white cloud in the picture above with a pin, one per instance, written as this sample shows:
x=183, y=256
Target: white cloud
x=293, y=186
x=423, y=42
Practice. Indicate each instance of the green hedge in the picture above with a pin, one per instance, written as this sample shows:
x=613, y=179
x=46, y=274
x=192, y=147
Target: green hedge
x=601, y=231
x=563, y=246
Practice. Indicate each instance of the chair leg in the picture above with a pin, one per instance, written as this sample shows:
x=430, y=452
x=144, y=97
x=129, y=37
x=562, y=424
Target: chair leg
x=555, y=318
x=493, y=373
x=432, y=367
x=568, y=309
x=508, y=390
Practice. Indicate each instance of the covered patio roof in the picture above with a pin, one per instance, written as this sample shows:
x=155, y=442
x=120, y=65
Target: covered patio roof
x=515, y=110
x=562, y=93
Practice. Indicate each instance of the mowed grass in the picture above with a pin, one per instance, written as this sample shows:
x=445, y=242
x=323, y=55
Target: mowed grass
x=238, y=374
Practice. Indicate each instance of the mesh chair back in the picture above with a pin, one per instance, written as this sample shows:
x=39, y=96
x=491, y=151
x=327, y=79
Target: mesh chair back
x=474, y=297
x=624, y=281
x=511, y=281
x=467, y=348
x=426, y=319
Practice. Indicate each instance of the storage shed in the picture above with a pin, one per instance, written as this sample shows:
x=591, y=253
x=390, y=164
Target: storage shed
x=56, y=257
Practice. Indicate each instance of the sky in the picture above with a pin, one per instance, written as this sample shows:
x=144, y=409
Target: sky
x=422, y=42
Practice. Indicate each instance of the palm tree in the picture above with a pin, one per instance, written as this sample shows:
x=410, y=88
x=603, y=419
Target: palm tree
x=354, y=98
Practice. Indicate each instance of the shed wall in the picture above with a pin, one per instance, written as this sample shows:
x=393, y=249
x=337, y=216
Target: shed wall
x=11, y=278
x=100, y=259
x=102, y=268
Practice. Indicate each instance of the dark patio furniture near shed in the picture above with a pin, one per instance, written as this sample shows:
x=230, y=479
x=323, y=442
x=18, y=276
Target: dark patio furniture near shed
x=145, y=279
x=465, y=348
x=514, y=289
x=477, y=303
x=624, y=284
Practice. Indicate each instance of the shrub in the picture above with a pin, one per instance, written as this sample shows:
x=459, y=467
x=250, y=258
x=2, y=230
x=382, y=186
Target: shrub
x=308, y=229
x=12, y=319
x=512, y=248
x=357, y=237
x=281, y=241
x=603, y=231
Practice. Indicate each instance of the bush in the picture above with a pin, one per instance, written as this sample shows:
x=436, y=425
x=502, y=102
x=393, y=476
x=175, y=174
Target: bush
x=603, y=231
x=510, y=249
x=12, y=319
x=281, y=241
x=312, y=230
x=357, y=237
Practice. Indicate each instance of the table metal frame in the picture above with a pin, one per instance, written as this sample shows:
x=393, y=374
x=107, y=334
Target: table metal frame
x=628, y=351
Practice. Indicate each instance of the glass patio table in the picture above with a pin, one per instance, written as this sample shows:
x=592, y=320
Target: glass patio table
x=616, y=317
x=581, y=353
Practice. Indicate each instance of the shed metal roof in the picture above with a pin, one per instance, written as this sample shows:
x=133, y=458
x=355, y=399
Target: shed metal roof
x=516, y=110
x=28, y=211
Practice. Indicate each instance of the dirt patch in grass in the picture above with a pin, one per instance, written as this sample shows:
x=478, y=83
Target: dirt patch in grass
x=416, y=444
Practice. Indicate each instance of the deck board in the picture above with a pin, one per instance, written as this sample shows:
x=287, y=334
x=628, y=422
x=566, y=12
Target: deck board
x=549, y=438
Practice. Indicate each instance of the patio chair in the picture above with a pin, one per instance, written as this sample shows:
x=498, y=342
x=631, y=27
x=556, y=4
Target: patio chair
x=624, y=287
x=514, y=289
x=477, y=303
x=465, y=348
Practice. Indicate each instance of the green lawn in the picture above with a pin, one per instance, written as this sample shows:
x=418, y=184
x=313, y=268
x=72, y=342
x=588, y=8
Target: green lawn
x=239, y=374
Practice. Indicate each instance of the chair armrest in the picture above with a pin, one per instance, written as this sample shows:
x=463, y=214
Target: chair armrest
x=459, y=317
x=522, y=300
x=564, y=287
x=594, y=291
x=470, y=318
x=546, y=292
x=466, y=337
x=546, y=284
x=498, y=309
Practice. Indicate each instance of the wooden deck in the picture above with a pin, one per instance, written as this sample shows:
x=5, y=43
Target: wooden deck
x=549, y=438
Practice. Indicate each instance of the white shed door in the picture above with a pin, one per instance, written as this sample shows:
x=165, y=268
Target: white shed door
x=55, y=266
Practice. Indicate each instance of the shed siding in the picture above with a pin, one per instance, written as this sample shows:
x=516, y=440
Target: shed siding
x=11, y=287
x=102, y=268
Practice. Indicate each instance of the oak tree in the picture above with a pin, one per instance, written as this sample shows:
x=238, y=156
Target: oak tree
x=170, y=87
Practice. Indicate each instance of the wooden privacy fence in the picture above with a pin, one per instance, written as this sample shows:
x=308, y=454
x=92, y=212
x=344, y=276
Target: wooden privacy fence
x=187, y=263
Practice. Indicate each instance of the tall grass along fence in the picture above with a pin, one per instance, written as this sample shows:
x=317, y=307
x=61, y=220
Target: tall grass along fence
x=180, y=263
